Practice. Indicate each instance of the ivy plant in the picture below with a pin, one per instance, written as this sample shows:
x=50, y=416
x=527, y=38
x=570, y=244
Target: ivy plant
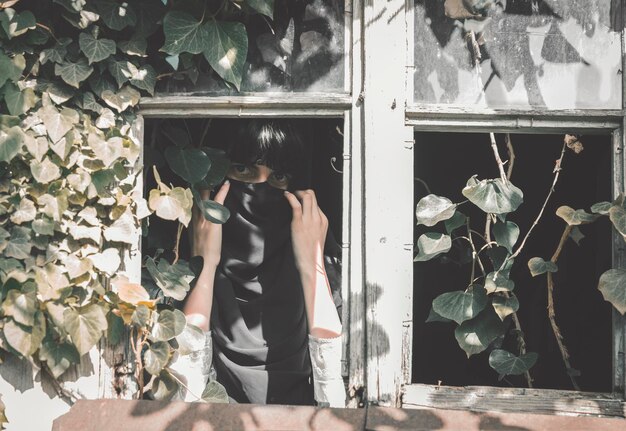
x=483, y=310
x=72, y=74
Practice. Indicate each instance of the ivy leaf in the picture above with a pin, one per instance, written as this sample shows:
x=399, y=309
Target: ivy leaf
x=213, y=211
x=19, y=244
x=135, y=46
x=169, y=324
x=122, y=99
x=265, y=7
x=16, y=24
x=58, y=123
x=108, y=261
x=107, y=150
x=140, y=316
x=11, y=69
x=25, y=340
x=432, y=209
x=165, y=387
x=115, y=15
x=122, y=230
x=506, y=363
x=220, y=164
x=475, y=335
x=72, y=5
x=175, y=204
x=493, y=196
x=506, y=234
x=575, y=217
x=184, y=33
x=539, y=266
x=498, y=282
x=191, y=164
x=56, y=54
x=25, y=212
x=576, y=235
x=85, y=325
x=11, y=141
x=172, y=279
x=121, y=70
x=156, y=357
x=456, y=221
x=612, y=284
x=505, y=306
x=45, y=171
x=214, y=392
x=461, y=306
x=227, y=49
x=90, y=104
x=19, y=101
x=58, y=355
x=73, y=73
x=95, y=49
x=22, y=306
x=59, y=93
x=434, y=317
x=432, y=244
x=601, y=208
x=43, y=226
x=144, y=78
x=617, y=214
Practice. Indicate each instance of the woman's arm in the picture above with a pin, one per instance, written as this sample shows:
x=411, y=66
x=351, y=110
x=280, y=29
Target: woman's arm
x=206, y=241
x=309, y=226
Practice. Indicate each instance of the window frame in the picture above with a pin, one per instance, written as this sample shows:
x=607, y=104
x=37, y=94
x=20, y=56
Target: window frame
x=448, y=118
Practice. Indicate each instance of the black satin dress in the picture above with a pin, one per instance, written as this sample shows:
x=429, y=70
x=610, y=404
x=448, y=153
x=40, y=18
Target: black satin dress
x=258, y=320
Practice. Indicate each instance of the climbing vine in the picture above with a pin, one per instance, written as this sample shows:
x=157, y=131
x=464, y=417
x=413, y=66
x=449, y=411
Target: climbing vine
x=72, y=73
x=487, y=306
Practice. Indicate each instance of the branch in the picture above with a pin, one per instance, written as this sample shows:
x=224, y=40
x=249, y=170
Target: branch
x=511, y=162
x=177, y=245
x=496, y=154
x=557, y=171
x=551, y=312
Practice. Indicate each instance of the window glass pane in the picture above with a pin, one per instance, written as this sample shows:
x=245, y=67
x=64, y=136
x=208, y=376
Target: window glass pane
x=518, y=53
x=301, y=49
x=582, y=314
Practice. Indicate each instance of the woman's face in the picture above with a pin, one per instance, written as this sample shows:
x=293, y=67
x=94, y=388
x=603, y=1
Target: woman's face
x=258, y=173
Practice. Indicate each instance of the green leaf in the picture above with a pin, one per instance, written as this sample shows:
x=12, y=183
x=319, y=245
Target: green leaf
x=475, y=335
x=265, y=7
x=45, y=171
x=184, y=33
x=122, y=99
x=432, y=209
x=11, y=69
x=116, y=16
x=22, y=306
x=505, y=306
x=58, y=123
x=73, y=73
x=56, y=54
x=107, y=150
x=102, y=180
x=85, y=325
x=16, y=24
x=59, y=92
x=431, y=244
x=156, y=357
x=11, y=141
x=19, y=244
x=539, y=266
x=165, y=387
x=43, y=226
x=172, y=279
x=506, y=234
x=191, y=164
x=434, y=317
x=95, y=49
x=90, y=104
x=218, y=170
x=23, y=339
x=72, y=5
x=19, y=101
x=575, y=217
x=617, y=214
x=459, y=305
x=226, y=50
x=169, y=324
x=455, y=222
x=506, y=363
x=498, y=282
x=58, y=355
x=134, y=46
x=140, y=316
x=576, y=235
x=601, y=208
x=144, y=78
x=493, y=196
x=213, y=211
x=214, y=392
x=612, y=284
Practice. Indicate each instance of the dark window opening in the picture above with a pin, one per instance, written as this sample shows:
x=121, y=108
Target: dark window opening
x=445, y=161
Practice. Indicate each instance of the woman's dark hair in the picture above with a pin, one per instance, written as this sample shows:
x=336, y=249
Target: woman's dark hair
x=275, y=142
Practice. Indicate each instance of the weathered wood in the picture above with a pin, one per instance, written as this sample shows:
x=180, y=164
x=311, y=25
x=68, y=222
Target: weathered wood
x=353, y=241
x=388, y=201
x=619, y=261
x=259, y=105
x=486, y=398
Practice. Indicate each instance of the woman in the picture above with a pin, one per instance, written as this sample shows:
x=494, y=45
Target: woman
x=264, y=292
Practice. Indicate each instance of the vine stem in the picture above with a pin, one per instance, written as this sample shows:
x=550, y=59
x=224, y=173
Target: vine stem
x=137, y=346
x=48, y=29
x=557, y=171
x=521, y=342
x=177, y=245
x=551, y=312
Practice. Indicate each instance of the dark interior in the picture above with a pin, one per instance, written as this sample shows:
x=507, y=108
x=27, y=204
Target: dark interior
x=445, y=161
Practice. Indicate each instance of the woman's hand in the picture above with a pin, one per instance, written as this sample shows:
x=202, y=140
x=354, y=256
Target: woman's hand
x=308, y=232
x=206, y=240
